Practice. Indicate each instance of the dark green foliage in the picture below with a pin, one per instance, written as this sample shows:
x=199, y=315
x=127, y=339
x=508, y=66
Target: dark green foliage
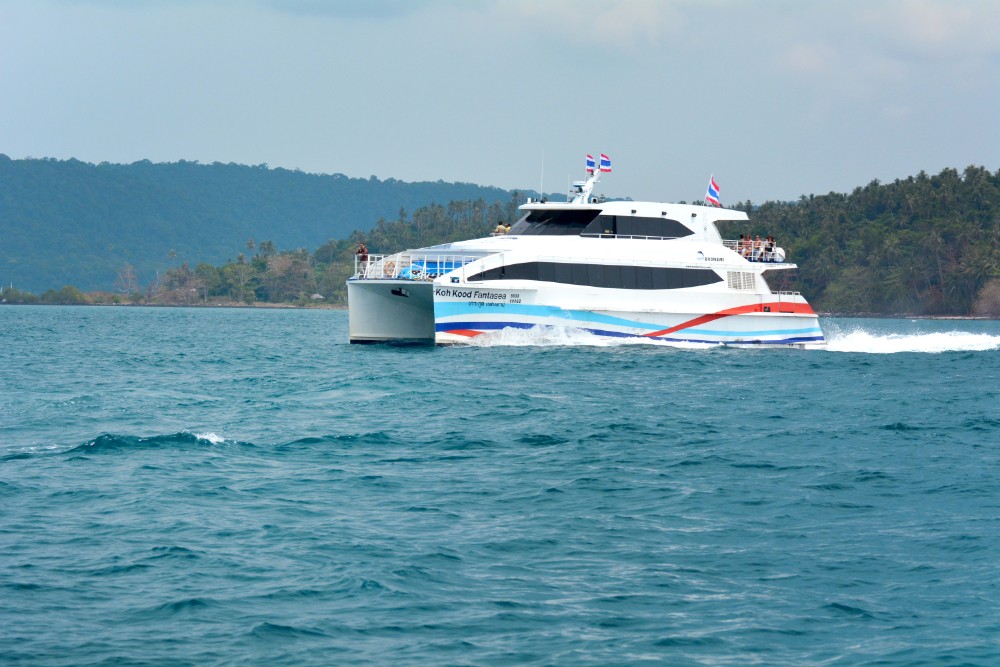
x=927, y=245
x=14, y=295
x=429, y=225
x=67, y=296
x=265, y=274
x=66, y=221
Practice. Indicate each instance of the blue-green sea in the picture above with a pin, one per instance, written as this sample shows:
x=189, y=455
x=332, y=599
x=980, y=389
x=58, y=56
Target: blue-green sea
x=242, y=487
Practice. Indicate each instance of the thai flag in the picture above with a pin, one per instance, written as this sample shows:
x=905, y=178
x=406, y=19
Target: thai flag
x=712, y=196
x=591, y=165
x=605, y=163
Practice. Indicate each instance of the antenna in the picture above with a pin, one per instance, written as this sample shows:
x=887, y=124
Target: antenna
x=541, y=179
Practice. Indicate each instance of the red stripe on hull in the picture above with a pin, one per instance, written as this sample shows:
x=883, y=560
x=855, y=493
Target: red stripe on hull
x=776, y=307
x=464, y=332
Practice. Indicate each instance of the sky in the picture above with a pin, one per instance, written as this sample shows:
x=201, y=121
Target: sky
x=776, y=99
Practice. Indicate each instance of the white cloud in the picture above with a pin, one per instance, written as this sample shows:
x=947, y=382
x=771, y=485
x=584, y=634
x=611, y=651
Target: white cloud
x=809, y=59
x=603, y=24
x=936, y=28
x=782, y=96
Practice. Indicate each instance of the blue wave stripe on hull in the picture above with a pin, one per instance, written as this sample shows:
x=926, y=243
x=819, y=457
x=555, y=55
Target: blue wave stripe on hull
x=459, y=309
x=756, y=337
x=769, y=332
x=445, y=326
x=582, y=318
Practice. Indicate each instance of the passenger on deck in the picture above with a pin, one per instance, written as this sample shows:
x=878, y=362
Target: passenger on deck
x=758, y=249
x=362, y=254
x=506, y=228
x=500, y=230
x=769, y=248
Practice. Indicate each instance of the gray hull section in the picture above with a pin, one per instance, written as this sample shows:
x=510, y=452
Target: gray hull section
x=390, y=310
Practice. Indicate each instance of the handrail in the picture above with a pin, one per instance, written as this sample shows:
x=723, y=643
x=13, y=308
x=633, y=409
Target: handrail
x=602, y=235
x=752, y=253
x=425, y=267
x=422, y=267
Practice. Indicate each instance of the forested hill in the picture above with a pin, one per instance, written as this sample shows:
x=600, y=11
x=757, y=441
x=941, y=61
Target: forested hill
x=927, y=245
x=66, y=222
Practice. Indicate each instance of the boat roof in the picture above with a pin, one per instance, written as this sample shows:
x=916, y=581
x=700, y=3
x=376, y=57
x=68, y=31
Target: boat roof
x=645, y=209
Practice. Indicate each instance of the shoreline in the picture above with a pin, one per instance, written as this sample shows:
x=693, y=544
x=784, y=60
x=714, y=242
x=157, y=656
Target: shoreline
x=273, y=306
x=291, y=306
x=903, y=316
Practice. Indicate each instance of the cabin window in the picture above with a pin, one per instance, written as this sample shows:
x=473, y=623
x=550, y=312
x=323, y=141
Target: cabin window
x=629, y=281
x=590, y=222
x=554, y=222
x=606, y=276
x=626, y=225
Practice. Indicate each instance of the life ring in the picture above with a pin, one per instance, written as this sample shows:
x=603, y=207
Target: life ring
x=389, y=270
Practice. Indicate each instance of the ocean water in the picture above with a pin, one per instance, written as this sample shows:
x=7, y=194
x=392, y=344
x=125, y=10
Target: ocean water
x=232, y=487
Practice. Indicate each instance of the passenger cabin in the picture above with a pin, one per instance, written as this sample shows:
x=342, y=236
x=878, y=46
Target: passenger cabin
x=623, y=220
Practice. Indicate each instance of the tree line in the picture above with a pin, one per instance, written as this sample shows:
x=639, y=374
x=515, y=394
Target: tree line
x=67, y=221
x=261, y=273
x=926, y=245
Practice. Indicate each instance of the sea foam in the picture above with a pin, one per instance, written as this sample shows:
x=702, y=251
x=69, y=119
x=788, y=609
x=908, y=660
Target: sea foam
x=945, y=341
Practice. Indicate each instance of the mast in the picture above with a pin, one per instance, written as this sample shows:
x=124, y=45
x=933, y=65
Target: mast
x=580, y=191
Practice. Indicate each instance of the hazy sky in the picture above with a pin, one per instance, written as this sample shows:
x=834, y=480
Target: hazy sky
x=777, y=99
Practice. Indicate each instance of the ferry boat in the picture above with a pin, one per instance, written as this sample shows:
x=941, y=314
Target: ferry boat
x=611, y=268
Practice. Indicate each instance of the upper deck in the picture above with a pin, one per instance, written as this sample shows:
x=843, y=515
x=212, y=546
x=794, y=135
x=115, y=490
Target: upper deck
x=629, y=219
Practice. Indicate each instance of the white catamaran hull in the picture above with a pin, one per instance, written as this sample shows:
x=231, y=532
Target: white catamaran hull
x=462, y=313
x=390, y=310
x=623, y=268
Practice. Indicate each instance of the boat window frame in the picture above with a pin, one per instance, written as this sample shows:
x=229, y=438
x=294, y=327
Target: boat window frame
x=604, y=276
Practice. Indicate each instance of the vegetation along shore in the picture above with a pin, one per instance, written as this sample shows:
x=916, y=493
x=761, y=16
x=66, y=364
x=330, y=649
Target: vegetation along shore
x=928, y=245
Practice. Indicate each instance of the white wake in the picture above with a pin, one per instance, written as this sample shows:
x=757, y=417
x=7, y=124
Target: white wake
x=854, y=340
x=568, y=336
x=942, y=341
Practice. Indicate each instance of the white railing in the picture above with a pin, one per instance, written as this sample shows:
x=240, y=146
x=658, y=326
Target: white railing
x=632, y=236
x=409, y=266
x=752, y=253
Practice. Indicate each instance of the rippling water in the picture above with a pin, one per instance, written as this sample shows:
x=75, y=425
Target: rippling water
x=197, y=486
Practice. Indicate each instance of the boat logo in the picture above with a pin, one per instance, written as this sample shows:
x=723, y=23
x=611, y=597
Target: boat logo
x=702, y=258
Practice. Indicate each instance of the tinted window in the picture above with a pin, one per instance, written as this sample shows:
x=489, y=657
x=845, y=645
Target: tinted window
x=604, y=224
x=595, y=274
x=588, y=221
x=644, y=277
x=659, y=227
x=547, y=272
x=600, y=275
x=554, y=222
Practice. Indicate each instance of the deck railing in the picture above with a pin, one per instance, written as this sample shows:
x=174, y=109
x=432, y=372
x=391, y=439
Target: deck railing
x=409, y=266
x=752, y=253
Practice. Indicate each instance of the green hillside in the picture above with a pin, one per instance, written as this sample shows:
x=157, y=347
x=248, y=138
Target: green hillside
x=66, y=222
x=926, y=245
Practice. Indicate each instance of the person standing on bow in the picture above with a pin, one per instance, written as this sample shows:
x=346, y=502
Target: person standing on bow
x=362, y=255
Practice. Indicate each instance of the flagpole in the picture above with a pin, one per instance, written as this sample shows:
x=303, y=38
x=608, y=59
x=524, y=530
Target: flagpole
x=541, y=179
